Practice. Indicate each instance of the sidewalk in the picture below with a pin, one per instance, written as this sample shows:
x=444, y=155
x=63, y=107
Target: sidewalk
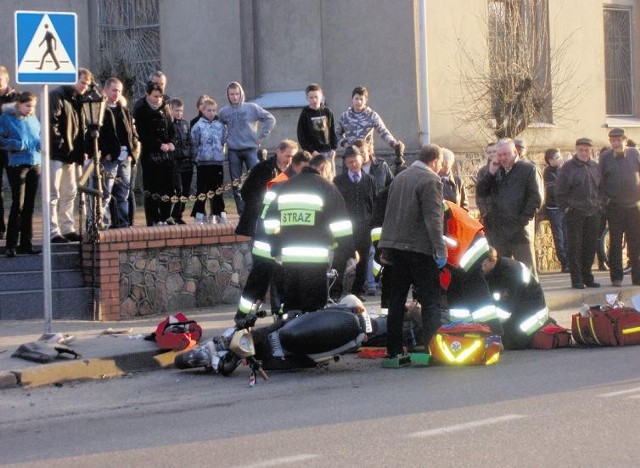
x=105, y=356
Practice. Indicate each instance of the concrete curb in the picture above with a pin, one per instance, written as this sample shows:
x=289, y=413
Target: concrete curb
x=87, y=369
x=560, y=304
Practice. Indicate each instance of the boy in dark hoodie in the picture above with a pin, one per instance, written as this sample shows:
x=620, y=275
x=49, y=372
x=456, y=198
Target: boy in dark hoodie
x=316, y=126
x=243, y=135
x=182, y=158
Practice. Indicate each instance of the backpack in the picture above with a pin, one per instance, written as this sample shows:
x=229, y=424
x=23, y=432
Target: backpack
x=460, y=344
x=177, y=333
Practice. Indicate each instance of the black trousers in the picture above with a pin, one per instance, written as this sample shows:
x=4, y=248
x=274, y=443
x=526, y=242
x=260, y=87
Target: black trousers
x=157, y=180
x=305, y=286
x=209, y=178
x=583, y=234
x=24, y=181
x=624, y=221
x=264, y=275
x=420, y=270
x=182, y=187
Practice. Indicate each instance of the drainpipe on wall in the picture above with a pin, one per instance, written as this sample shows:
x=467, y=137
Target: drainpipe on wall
x=423, y=78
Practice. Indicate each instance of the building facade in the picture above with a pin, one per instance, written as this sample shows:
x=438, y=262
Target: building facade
x=425, y=86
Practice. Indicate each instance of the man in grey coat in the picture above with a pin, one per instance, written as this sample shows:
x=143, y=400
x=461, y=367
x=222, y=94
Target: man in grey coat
x=412, y=242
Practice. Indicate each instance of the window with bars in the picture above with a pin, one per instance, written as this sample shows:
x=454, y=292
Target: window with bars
x=129, y=40
x=618, y=61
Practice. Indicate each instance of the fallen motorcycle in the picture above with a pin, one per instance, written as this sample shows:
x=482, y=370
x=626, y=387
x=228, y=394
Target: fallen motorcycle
x=303, y=341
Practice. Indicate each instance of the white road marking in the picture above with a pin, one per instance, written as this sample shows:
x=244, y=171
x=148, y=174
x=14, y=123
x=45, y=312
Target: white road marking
x=465, y=426
x=281, y=461
x=621, y=392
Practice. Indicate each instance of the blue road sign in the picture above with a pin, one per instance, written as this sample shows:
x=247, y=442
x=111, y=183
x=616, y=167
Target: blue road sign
x=46, y=47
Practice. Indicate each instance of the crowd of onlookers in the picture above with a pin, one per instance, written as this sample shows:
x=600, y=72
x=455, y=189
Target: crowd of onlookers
x=154, y=135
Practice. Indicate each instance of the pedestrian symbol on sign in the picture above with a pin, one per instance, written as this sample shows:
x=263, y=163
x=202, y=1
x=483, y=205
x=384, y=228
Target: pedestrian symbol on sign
x=46, y=47
x=52, y=45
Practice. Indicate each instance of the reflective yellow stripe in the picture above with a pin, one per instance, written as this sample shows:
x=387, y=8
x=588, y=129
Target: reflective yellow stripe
x=490, y=312
x=303, y=254
x=269, y=197
x=444, y=348
x=493, y=359
x=272, y=226
x=593, y=331
x=376, y=268
x=261, y=249
x=535, y=321
x=291, y=201
x=467, y=352
x=375, y=234
x=526, y=273
x=341, y=228
x=627, y=331
x=473, y=253
x=460, y=314
x=451, y=242
x=245, y=305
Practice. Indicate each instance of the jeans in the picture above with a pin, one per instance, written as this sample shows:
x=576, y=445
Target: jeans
x=116, y=183
x=371, y=279
x=3, y=166
x=237, y=157
x=24, y=181
x=559, y=230
x=63, y=187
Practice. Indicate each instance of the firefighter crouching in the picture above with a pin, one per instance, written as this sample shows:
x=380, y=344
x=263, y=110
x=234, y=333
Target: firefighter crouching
x=500, y=292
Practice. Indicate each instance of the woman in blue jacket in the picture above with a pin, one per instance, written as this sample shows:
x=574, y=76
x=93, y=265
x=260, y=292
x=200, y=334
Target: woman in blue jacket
x=20, y=138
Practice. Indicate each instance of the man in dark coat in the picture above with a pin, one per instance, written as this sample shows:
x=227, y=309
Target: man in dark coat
x=513, y=187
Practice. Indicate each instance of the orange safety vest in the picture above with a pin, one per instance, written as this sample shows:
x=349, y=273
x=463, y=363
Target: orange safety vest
x=462, y=228
x=279, y=179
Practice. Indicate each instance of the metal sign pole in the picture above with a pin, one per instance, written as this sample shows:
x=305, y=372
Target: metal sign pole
x=46, y=210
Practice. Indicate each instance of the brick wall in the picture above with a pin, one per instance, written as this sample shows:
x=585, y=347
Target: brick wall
x=163, y=269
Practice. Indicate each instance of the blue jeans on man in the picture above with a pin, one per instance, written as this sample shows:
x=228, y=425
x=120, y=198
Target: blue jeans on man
x=238, y=157
x=117, y=184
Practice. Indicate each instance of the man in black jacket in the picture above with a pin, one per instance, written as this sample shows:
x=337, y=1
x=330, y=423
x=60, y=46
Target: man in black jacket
x=577, y=195
x=513, y=187
x=119, y=148
x=620, y=169
x=67, y=149
x=255, y=185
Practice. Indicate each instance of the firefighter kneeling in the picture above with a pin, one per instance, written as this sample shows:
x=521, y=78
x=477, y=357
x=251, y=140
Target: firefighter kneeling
x=498, y=292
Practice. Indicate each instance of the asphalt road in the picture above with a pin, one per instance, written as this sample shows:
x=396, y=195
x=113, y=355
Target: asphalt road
x=568, y=407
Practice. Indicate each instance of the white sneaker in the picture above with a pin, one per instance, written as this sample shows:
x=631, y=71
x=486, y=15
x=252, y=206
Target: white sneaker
x=223, y=218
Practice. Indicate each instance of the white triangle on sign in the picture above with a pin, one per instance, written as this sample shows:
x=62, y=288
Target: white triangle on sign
x=46, y=52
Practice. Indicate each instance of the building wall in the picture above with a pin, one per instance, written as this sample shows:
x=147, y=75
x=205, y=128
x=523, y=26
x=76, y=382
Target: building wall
x=283, y=45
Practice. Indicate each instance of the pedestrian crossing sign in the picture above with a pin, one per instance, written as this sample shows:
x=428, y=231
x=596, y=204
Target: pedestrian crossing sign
x=46, y=47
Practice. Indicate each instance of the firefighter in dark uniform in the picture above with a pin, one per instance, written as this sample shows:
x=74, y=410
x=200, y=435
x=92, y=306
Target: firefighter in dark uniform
x=304, y=222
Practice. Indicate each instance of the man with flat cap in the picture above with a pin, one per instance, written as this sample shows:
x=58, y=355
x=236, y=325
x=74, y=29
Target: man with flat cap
x=359, y=192
x=620, y=185
x=577, y=193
